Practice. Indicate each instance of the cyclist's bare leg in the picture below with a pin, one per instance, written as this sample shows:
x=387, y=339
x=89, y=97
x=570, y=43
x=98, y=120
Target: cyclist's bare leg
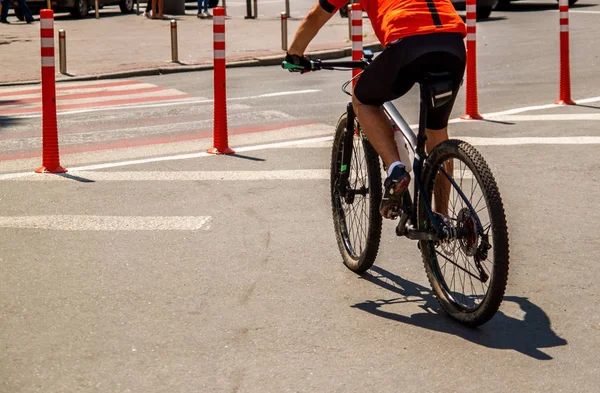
x=378, y=130
x=441, y=188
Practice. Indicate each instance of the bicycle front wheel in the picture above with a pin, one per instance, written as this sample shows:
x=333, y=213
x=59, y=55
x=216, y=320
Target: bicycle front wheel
x=468, y=271
x=355, y=204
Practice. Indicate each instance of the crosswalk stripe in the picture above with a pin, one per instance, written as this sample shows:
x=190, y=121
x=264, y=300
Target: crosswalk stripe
x=88, y=95
x=103, y=103
x=18, y=101
x=69, y=140
x=5, y=92
x=96, y=85
x=77, y=93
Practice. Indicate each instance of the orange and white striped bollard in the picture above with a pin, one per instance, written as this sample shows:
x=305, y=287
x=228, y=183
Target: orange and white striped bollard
x=50, y=154
x=565, y=68
x=357, y=38
x=472, y=106
x=220, y=143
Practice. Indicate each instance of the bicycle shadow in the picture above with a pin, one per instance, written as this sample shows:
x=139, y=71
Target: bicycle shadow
x=502, y=332
x=7, y=121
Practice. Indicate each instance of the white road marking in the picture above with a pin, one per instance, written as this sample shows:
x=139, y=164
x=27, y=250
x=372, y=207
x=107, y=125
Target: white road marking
x=531, y=108
x=279, y=94
x=587, y=100
x=185, y=101
x=569, y=140
x=108, y=223
x=299, y=174
x=584, y=12
x=296, y=174
x=313, y=145
x=197, y=155
x=10, y=176
x=475, y=141
x=553, y=117
x=320, y=140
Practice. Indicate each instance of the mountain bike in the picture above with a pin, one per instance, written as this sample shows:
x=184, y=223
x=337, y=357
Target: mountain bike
x=464, y=245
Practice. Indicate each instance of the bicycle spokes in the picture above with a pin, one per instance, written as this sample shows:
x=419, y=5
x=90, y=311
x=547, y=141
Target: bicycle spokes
x=465, y=240
x=356, y=192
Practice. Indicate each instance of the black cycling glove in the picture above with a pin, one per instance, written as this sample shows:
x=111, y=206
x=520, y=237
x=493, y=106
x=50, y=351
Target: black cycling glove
x=301, y=61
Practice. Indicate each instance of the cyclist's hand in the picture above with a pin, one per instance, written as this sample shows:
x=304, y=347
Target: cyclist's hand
x=302, y=63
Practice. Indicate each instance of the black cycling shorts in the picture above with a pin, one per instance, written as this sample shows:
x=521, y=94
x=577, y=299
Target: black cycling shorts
x=402, y=63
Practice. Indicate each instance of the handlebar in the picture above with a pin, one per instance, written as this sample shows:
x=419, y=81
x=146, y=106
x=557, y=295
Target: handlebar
x=316, y=65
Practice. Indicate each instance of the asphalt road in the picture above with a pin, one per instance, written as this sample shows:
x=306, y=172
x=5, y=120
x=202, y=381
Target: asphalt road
x=164, y=270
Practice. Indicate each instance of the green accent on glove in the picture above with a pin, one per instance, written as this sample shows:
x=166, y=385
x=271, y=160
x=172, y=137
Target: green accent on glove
x=344, y=167
x=290, y=66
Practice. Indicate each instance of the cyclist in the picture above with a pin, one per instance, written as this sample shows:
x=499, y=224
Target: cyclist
x=419, y=36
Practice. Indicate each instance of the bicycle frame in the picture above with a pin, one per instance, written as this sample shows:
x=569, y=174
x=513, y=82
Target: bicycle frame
x=441, y=234
x=416, y=143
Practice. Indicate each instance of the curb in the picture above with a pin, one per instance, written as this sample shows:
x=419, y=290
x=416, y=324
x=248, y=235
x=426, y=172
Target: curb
x=260, y=61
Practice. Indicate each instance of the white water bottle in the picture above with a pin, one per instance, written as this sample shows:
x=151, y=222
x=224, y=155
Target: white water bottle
x=403, y=151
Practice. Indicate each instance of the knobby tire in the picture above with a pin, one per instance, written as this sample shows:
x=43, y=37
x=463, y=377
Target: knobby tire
x=357, y=237
x=470, y=309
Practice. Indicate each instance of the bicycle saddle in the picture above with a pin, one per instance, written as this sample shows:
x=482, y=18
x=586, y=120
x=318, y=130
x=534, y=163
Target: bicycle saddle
x=438, y=87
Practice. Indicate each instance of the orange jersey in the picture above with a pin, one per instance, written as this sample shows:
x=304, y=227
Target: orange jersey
x=394, y=19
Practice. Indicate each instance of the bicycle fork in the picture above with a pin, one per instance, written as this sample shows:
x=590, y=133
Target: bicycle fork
x=347, y=146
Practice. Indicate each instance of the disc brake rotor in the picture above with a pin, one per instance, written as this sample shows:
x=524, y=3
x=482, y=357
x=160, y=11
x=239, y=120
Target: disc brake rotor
x=465, y=221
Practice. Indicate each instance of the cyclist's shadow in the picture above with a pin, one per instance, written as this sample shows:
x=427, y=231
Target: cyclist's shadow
x=502, y=332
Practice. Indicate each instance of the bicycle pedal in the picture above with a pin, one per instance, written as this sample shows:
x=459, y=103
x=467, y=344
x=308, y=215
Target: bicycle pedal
x=395, y=212
x=401, y=227
x=390, y=211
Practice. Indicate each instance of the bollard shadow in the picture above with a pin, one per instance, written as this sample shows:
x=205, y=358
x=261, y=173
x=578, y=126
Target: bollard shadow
x=73, y=177
x=7, y=121
x=9, y=102
x=587, y=106
x=508, y=123
x=246, y=157
x=525, y=336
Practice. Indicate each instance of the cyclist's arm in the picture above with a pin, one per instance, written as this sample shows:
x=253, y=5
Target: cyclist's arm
x=320, y=13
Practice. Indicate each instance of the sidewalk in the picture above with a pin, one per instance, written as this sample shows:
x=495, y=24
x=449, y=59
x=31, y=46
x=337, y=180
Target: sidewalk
x=129, y=45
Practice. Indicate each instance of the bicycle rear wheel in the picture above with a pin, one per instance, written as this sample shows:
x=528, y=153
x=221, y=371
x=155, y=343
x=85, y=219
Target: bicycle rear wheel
x=468, y=273
x=355, y=205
